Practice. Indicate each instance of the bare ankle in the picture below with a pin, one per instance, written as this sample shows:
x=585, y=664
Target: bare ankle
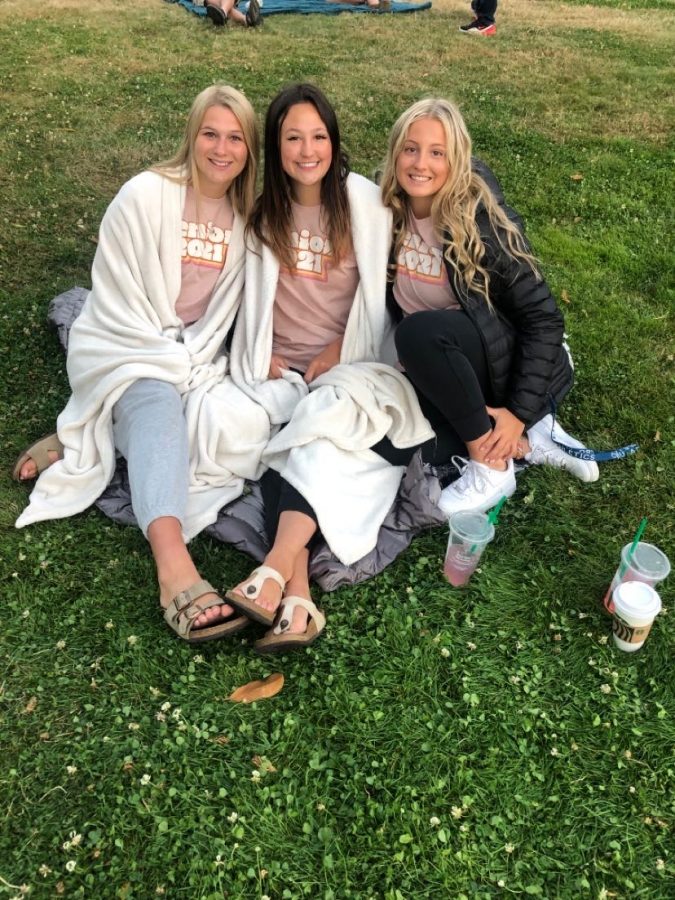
x=499, y=465
x=280, y=562
x=523, y=449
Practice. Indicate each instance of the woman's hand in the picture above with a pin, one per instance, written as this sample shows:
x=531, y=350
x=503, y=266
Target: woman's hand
x=502, y=442
x=276, y=365
x=325, y=360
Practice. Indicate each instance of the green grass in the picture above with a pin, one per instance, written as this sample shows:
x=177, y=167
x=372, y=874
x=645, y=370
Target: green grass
x=436, y=743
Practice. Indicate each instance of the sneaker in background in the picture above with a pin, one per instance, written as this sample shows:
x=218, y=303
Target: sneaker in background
x=479, y=28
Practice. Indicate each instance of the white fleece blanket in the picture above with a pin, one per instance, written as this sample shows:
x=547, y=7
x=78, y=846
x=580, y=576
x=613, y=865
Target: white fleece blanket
x=324, y=449
x=128, y=329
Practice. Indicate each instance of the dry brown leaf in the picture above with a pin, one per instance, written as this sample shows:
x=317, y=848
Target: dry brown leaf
x=258, y=690
x=221, y=739
x=30, y=706
x=564, y=296
x=577, y=177
x=263, y=764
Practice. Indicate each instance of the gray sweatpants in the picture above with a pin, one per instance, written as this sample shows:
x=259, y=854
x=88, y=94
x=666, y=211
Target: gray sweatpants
x=150, y=431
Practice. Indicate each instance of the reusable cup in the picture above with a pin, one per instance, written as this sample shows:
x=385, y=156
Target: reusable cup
x=648, y=564
x=470, y=533
x=636, y=605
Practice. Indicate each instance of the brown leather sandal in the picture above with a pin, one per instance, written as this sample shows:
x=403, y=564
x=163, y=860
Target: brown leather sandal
x=39, y=453
x=186, y=606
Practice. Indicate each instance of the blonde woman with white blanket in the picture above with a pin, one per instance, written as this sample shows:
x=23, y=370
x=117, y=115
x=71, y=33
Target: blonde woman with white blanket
x=146, y=360
x=305, y=347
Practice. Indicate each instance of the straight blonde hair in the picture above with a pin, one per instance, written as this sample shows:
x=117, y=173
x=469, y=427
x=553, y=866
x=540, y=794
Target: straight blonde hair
x=455, y=206
x=181, y=167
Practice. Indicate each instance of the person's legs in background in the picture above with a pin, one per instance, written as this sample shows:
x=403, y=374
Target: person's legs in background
x=219, y=11
x=484, y=22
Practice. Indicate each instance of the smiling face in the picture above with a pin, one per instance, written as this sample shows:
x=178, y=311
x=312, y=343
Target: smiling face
x=422, y=166
x=306, y=152
x=220, y=151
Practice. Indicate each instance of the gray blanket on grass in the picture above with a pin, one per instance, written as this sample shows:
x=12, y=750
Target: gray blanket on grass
x=241, y=523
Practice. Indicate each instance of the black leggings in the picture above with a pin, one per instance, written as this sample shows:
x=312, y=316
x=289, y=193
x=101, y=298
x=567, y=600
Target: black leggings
x=280, y=496
x=443, y=357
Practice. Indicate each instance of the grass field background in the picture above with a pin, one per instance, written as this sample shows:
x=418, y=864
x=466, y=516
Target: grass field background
x=435, y=743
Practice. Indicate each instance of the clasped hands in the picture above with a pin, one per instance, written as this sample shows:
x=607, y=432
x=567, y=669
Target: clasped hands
x=321, y=363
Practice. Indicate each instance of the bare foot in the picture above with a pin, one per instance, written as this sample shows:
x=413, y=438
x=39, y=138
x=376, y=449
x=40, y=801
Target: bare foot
x=29, y=470
x=37, y=457
x=300, y=616
x=270, y=593
x=523, y=448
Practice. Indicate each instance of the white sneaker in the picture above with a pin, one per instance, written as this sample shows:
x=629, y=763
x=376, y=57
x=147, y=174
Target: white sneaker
x=478, y=489
x=545, y=452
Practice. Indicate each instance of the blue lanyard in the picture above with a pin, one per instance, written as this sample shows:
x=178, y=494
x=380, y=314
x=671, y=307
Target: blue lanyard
x=585, y=453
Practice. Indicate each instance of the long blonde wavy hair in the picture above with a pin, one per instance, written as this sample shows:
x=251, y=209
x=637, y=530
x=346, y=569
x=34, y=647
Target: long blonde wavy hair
x=181, y=167
x=454, y=207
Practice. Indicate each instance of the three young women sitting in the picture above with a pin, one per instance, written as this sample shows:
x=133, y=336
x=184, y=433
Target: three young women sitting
x=478, y=336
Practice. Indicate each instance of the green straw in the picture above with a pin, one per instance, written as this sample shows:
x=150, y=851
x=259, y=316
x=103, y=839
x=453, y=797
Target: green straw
x=636, y=541
x=493, y=516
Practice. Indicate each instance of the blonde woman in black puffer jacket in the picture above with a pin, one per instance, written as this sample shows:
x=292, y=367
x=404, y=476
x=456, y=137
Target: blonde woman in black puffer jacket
x=478, y=334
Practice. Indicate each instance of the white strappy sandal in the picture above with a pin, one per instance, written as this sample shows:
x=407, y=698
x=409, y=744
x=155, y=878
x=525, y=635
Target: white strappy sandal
x=279, y=638
x=243, y=599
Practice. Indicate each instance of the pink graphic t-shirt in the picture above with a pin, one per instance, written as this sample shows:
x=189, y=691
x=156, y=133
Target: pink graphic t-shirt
x=314, y=297
x=206, y=230
x=421, y=277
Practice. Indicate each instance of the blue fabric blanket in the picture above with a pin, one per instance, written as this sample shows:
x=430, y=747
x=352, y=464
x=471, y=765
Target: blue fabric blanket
x=273, y=7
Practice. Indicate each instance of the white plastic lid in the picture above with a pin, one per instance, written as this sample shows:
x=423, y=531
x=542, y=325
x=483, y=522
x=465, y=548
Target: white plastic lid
x=637, y=601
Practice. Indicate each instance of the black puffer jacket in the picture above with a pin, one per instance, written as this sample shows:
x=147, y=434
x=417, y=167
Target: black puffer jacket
x=522, y=333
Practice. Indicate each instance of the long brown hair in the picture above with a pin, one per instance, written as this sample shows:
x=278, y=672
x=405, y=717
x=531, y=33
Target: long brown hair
x=181, y=167
x=454, y=207
x=271, y=219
